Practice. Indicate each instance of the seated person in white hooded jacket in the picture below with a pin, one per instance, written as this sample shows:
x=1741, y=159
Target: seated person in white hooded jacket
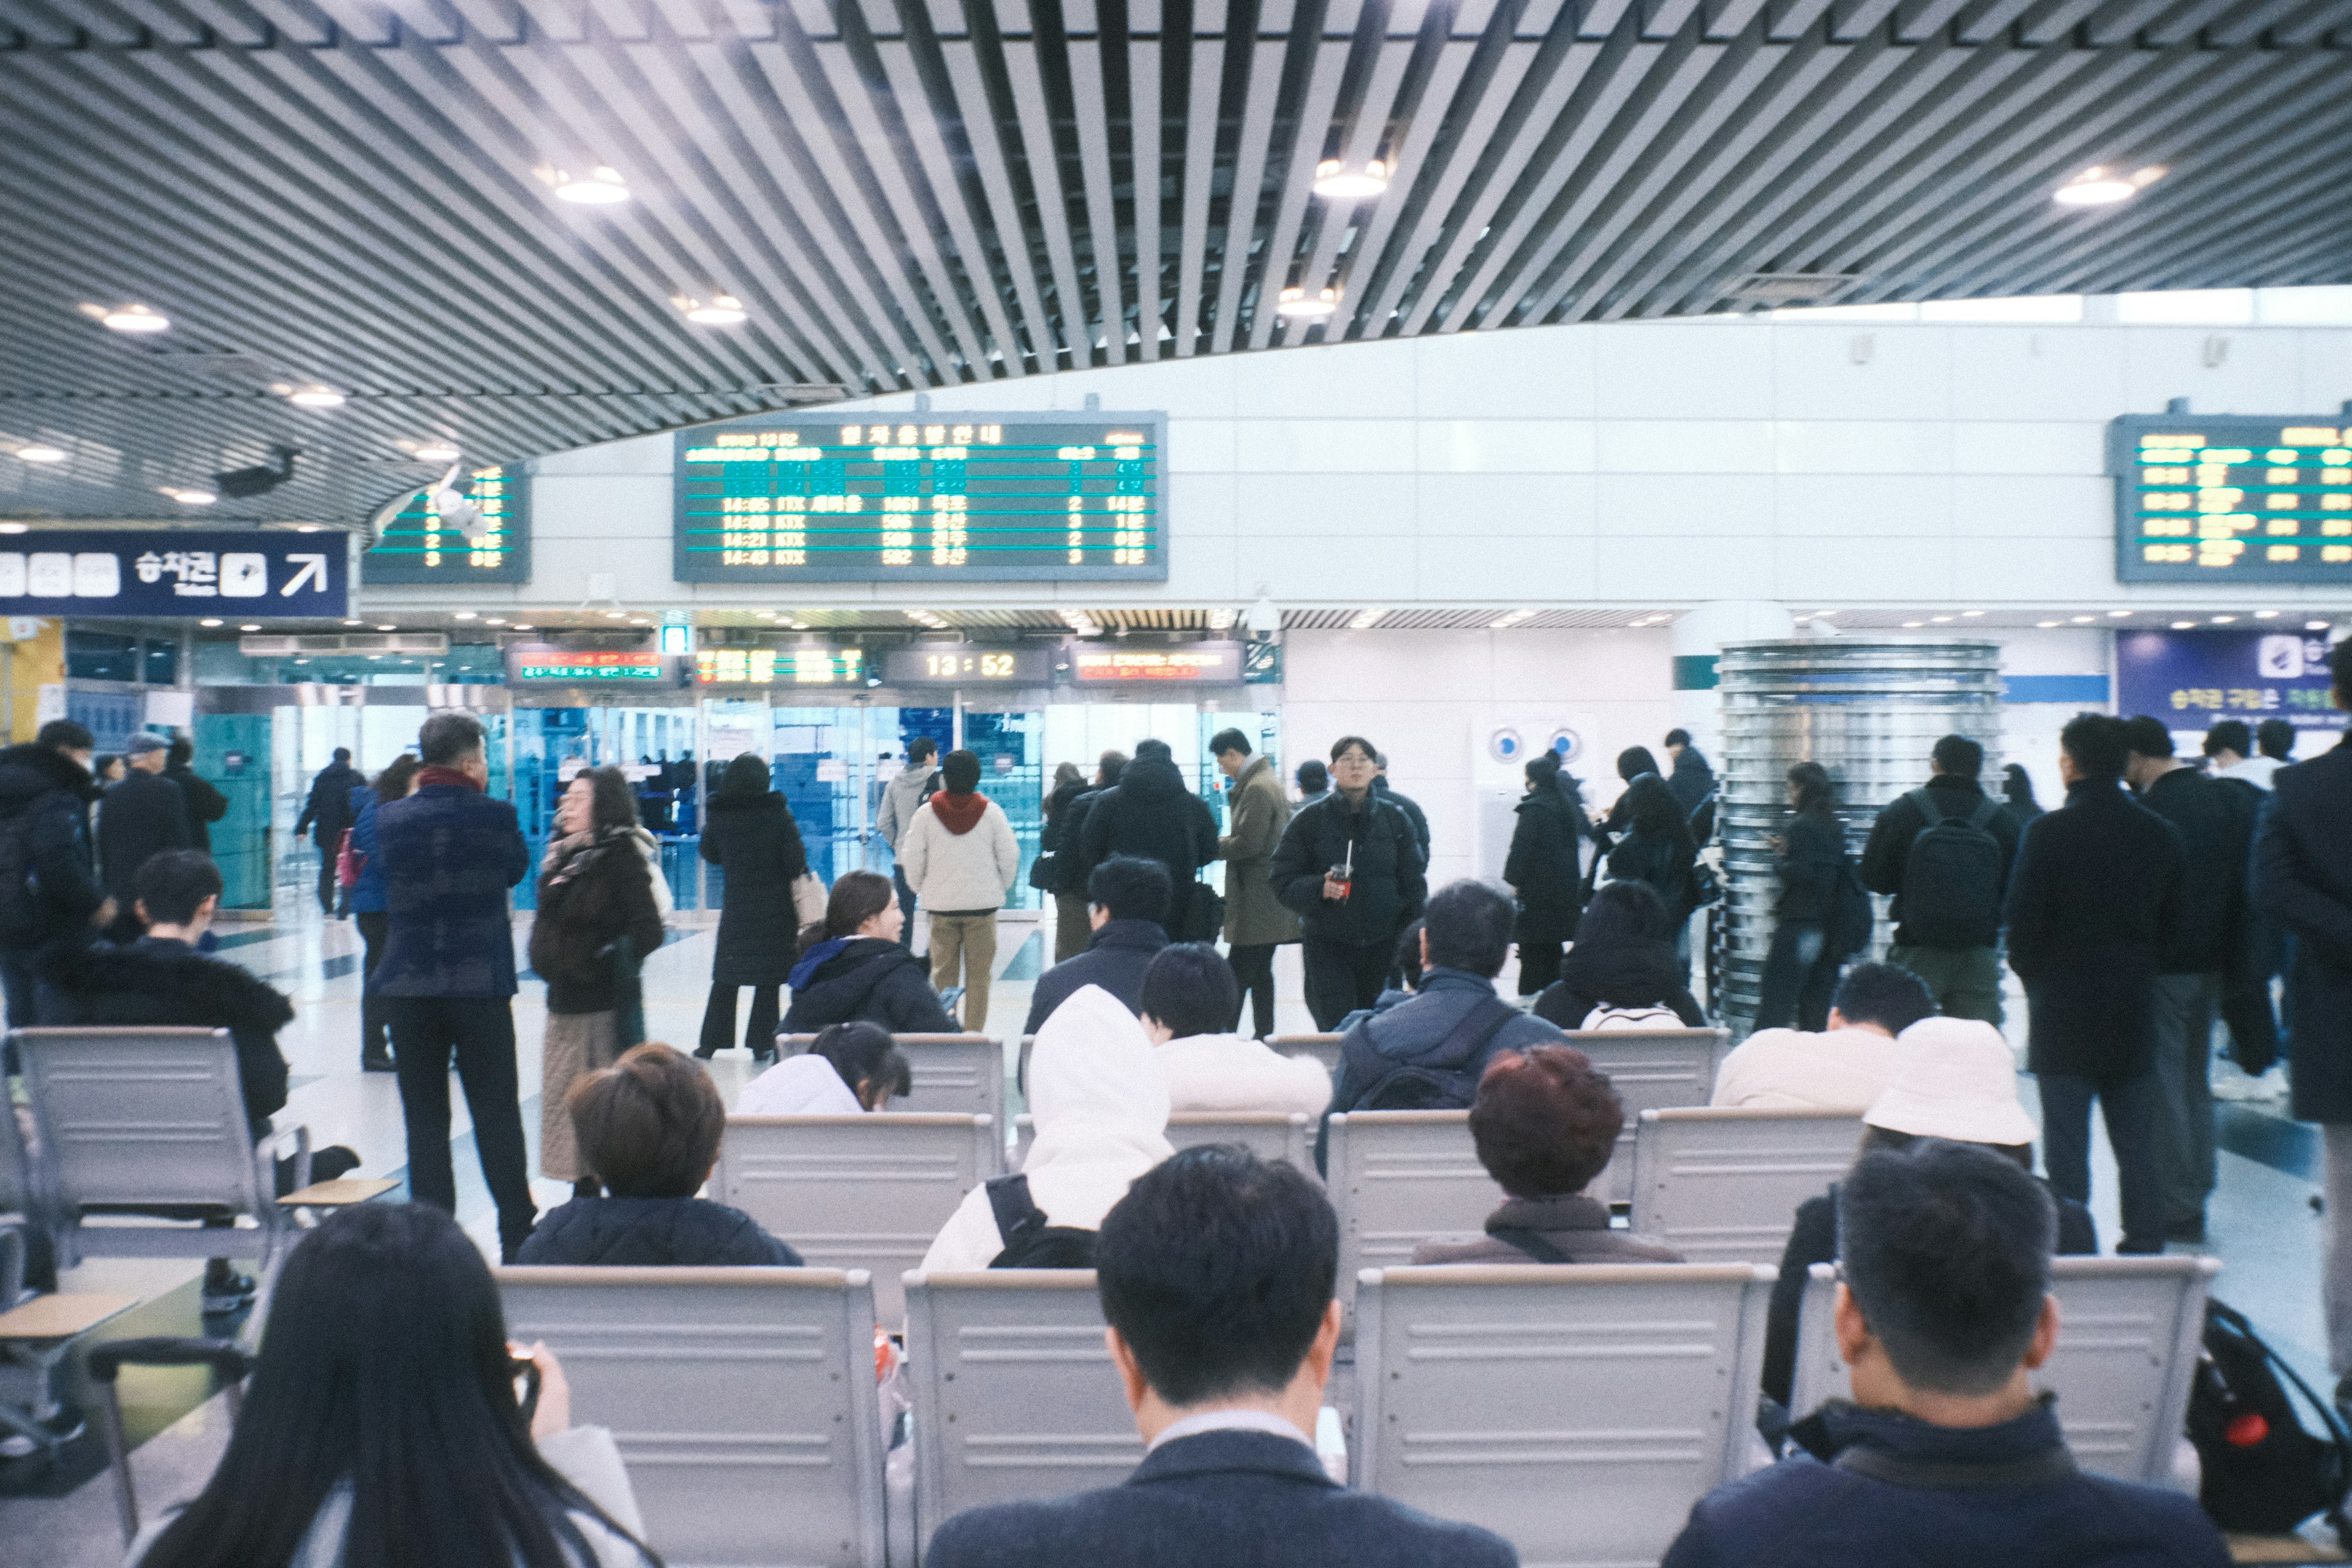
x=1100, y=1107
x=848, y=1068
x=1191, y=1002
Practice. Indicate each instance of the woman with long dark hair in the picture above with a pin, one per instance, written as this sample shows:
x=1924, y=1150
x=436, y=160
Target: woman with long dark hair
x=596, y=923
x=1544, y=871
x=852, y=968
x=1071, y=930
x=370, y=906
x=1657, y=849
x=1801, y=972
x=381, y=1427
x=749, y=833
x=1622, y=961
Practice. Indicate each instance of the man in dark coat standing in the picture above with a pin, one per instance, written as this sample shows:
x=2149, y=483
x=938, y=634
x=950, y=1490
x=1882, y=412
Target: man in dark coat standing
x=326, y=814
x=1692, y=779
x=142, y=816
x=46, y=789
x=2199, y=951
x=448, y=974
x=207, y=805
x=2097, y=891
x=2302, y=882
x=1961, y=968
x=1152, y=813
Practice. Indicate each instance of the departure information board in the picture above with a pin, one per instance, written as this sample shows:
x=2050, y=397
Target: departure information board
x=780, y=667
x=2231, y=499
x=419, y=545
x=923, y=498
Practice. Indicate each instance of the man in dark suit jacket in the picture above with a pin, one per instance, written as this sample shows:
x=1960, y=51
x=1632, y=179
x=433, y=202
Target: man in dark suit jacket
x=1126, y=898
x=1216, y=1272
x=2302, y=882
x=137, y=819
x=2094, y=899
x=447, y=975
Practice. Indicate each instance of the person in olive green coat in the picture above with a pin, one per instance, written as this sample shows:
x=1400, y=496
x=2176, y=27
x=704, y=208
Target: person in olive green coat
x=1257, y=923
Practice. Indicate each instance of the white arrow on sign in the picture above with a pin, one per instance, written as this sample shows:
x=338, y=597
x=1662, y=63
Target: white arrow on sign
x=313, y=570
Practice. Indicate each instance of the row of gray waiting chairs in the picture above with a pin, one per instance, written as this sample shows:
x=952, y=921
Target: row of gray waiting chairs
x=1578, y=1412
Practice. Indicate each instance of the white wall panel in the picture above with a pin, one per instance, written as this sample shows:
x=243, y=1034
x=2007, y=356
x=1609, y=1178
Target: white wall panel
x=1696, y=370
x=1324, y=505
x=2257, y=368
x=1200, y=446
x=1507, y=445
x=1855, y=506
x=1452, y=504
x=1703, y=568
x=1325, y=445
x=2015, y=447
x=1682, y=504
x=1903, y=375
x=2038, y=373
x=1834, y=567
x=1861, y=447
x=1359, y=380
x=1686, y=447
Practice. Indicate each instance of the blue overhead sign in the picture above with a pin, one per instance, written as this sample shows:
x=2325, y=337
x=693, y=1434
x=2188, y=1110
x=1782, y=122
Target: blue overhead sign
x=175, y=572
x=2192, y=680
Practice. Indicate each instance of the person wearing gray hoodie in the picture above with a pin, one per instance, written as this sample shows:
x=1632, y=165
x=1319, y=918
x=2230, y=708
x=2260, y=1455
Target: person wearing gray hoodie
x=901, y=798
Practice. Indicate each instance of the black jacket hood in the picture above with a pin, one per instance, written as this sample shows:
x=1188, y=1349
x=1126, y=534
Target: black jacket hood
x=1633, y=974
x=166, y=984
x=1149, y=778
x=28, y=771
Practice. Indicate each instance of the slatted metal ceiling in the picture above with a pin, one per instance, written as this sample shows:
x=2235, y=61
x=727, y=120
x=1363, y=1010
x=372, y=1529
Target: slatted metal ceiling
x=919, y=192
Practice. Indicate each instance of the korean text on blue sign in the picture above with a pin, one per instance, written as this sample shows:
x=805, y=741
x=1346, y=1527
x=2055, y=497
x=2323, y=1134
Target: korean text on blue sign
x=2193, y=680
x=174, y=572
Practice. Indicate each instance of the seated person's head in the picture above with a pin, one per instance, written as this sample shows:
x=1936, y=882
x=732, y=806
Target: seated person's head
x=1621, y=914
x=868, y=1060
x=179, y=889
x=1128, y=888
x=1545, y=1121
x=1946, y=1299
x=861, y=904
x=1216, y=1271
x=1467, y=925
x=648, y=1125
x=1954, y=1080
x=1882, y=997
x=1408, y=955
x=1189, y=989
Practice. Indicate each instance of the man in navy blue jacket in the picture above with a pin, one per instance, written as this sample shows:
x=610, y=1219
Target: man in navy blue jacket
x=1945, y=1458
x=446, y=979
x=1127, y=898
x=1216, y=1272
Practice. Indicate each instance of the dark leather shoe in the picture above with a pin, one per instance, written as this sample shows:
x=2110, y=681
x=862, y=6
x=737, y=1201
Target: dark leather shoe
x=377, y=1061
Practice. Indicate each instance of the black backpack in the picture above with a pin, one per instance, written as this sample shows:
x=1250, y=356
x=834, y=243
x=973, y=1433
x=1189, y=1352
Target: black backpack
x=2264, y=1469
x=1029, y=1241
x=1951, y=878
x=1443, y=1088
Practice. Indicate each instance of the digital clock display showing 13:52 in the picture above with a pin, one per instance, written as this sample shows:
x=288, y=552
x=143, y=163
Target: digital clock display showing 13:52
x=961, y=664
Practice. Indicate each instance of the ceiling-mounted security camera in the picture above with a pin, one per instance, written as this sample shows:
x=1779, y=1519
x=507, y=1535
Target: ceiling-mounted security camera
x=1263, y=618
x=259, y=480
x=455, y=510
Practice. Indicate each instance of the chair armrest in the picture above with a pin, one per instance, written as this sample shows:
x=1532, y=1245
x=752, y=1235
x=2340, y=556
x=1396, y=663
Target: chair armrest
x=106, y=1360
x=265, y=1159
x=11, y=1260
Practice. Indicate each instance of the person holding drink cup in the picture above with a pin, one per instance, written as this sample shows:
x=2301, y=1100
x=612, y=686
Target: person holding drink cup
x=1352, y=869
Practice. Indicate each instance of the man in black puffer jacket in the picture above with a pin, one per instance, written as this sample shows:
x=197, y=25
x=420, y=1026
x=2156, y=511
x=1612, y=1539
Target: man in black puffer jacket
x=46, y=789
x=1150, y=812
x=648, y=1126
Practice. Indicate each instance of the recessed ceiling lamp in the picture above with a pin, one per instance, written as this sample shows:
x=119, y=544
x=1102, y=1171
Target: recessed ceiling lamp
x=1349, y=182
x=37, y=453
x=1913, y=625
x=1512, y=619
x=386, y=626
x=1364, y=620
x=350, y=623
x=436, y=452
x=2224, y=620
x=494, y=620
x=1940, y=618
x=1301, y=306
x=189, y=495
x=522, y=626
x=1221, y=620
x=2183, y=625
x=250, y=626
x=2119, y=614
x=14, y=527
x=723, y=311
x=464, y=614
x=1971, y=614
x=128, y=318
x=2266, y=615
x=2046, y=625
x=209, y=621
x=2314, y=626
x=599, y=187
x=2100, y=187
x=2081, y=620
x=311, y=396
x=309, y=527
x=616, y=615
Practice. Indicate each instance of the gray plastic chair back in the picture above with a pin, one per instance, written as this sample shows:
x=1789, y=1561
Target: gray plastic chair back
x=2129, y=1333
x=1398, y=1178
x=16, y=1171
x=1324, y=1048
x=1578, y=1411
x=143, y=1117
x=958, y=1074
x=1652, y=1069
x=855, y=1191
x=1269, y=1134
x=1723, y=1186
x=742, y=1400
x=1015, y=1394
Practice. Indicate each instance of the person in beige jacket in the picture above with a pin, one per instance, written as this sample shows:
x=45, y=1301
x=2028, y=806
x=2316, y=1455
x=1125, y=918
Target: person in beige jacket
x=1847, y=1067
x=1257, y=921
x=959, y=855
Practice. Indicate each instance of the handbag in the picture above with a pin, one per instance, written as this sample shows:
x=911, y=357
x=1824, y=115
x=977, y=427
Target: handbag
x=809, y=897
x=348, y=862
x=628, y=997
x=1205, y=914
x=1045, y=871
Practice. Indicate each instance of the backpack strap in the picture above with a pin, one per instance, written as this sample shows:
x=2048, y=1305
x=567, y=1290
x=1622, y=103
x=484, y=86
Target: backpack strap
x=1981, y=817
x=1017, y=1213
x=1925, y=799
x=1481, y=1024
x=1532, y=1243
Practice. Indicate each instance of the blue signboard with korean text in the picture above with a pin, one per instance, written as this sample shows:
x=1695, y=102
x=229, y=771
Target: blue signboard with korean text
x=175, y=572
x=2193, y=680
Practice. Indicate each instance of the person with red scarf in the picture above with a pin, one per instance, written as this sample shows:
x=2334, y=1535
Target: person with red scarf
x=447, y=978
x=960, y=857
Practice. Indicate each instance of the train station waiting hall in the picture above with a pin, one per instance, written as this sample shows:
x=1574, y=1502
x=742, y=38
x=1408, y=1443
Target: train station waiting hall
x=1552, y=784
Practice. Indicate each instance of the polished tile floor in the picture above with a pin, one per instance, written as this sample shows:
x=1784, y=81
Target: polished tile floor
x=2261, y=1225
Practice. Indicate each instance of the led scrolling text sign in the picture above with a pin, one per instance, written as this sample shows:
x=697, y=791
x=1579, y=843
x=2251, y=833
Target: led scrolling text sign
x=2231, y=499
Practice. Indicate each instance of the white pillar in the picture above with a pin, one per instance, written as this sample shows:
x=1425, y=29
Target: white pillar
x=1698, y=639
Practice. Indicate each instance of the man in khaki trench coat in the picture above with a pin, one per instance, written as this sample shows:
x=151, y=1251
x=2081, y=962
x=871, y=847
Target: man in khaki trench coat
x=1257, y=923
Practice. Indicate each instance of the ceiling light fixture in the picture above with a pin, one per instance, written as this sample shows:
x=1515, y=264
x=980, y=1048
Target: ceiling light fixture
x=494, y=620
x=37, y=453
x=250, y=626
x=386, y=626
x=1348, y=183
x=2117, y=614
x=2045, y=624
x=464, y=614
x=1364, y=620
x=311, y=396
x=2081, y=620
x=723, y=311
x=522, y=626
x=1913, y=625
x=2183, y=625
x=350, y=623
x=1221, y=620
x=209, y=621
x=1511, y=619
x=2100, y=187
x=1299, y=305
x=190, y=496
x=1940, y=618
x=436, y=452
x=128, y=318
x=1971, y=615
x=600, y=187
x=2224, y=620
x=14, y=527
x=2266, y=615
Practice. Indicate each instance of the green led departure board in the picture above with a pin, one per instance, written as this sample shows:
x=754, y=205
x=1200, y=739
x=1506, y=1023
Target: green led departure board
x=2231, y=499
x=923, y=498
x=418, y=546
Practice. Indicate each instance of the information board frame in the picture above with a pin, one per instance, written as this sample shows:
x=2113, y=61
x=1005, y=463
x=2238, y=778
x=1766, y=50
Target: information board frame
x=257, y=575
x=695, y=561
x=390, y=560
x=2229, y=522
x=918, y=664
